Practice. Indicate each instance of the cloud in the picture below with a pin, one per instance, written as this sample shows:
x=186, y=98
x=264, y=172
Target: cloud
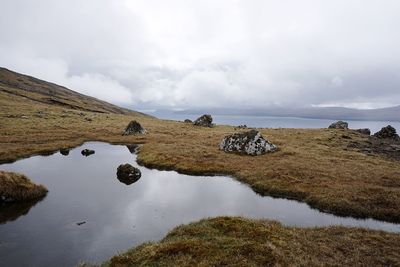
x=209, y=53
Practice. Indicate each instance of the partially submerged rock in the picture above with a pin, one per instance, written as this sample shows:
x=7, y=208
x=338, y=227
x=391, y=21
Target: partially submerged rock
x=17, y=187
x=387, y=132
x=87, y=152
x=339, y=125
x=134, y=127
x=128, y=174
x=365, y=131
x=250, y=143
x=204, y=120
x=64, y=152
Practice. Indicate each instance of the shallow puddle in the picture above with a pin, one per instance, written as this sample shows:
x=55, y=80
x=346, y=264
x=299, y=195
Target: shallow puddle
x=89, y=215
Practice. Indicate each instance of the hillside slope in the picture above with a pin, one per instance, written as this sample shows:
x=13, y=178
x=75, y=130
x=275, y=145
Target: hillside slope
x=31, y=88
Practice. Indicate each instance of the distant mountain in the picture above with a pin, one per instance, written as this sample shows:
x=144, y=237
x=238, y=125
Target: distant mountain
x=28, y=87
x=331, y=113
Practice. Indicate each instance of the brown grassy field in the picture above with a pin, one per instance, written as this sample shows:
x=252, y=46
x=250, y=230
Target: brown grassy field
x=232, y=241
x=313, y=166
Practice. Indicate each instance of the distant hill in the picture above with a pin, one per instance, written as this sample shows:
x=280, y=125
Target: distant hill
x=44, y=92
x=331, y=113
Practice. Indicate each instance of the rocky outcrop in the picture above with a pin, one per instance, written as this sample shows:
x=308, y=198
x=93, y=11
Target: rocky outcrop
x=187, y=121
x=128, y=174
x=87, y=152
x=339, y=125
x=205, y=121
x=387, y=132
x=250, y=143
x=134, y=127
x=365, y=131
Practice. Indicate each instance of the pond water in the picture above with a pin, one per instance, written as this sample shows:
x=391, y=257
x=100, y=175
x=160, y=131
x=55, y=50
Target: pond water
x=119, y=216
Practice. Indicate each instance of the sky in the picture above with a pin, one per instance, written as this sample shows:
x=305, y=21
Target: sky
x=178, y=54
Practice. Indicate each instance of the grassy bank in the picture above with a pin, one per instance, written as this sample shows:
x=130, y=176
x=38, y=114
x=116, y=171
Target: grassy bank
x=242, y=242
x=312, y=165
x=15, y=187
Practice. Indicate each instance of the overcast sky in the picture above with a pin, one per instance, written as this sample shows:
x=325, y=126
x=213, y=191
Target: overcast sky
x=210, y=53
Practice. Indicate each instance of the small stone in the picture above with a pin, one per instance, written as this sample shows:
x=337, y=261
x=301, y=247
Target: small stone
x=339, y=125
x=64, y=152
x=133, y=148
x=244, y=126
x=365, y=131
x=87, y=152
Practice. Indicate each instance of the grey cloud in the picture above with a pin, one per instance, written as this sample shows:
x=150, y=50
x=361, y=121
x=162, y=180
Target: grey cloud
x=209, y=53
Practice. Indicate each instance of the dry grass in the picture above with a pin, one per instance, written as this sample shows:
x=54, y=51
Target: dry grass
x=17, y=187
x=232, y=241
x=311, y=165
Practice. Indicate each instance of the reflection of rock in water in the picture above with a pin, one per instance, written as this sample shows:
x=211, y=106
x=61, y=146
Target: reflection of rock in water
x=12, y=211
x=133, y=148
x=128, y=174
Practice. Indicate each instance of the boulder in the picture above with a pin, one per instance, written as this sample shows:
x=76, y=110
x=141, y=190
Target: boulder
x=339, y=125
x=205, y=121
x=250, y=143
x=187, y=121
x=64, y=152
x=87, y=152
x=365, y=131
x=387, y=132
x=128, y=174
x=134, y=127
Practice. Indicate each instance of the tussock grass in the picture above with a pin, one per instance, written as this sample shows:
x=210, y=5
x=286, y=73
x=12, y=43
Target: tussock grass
x=17, y=187
x=234, y=241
